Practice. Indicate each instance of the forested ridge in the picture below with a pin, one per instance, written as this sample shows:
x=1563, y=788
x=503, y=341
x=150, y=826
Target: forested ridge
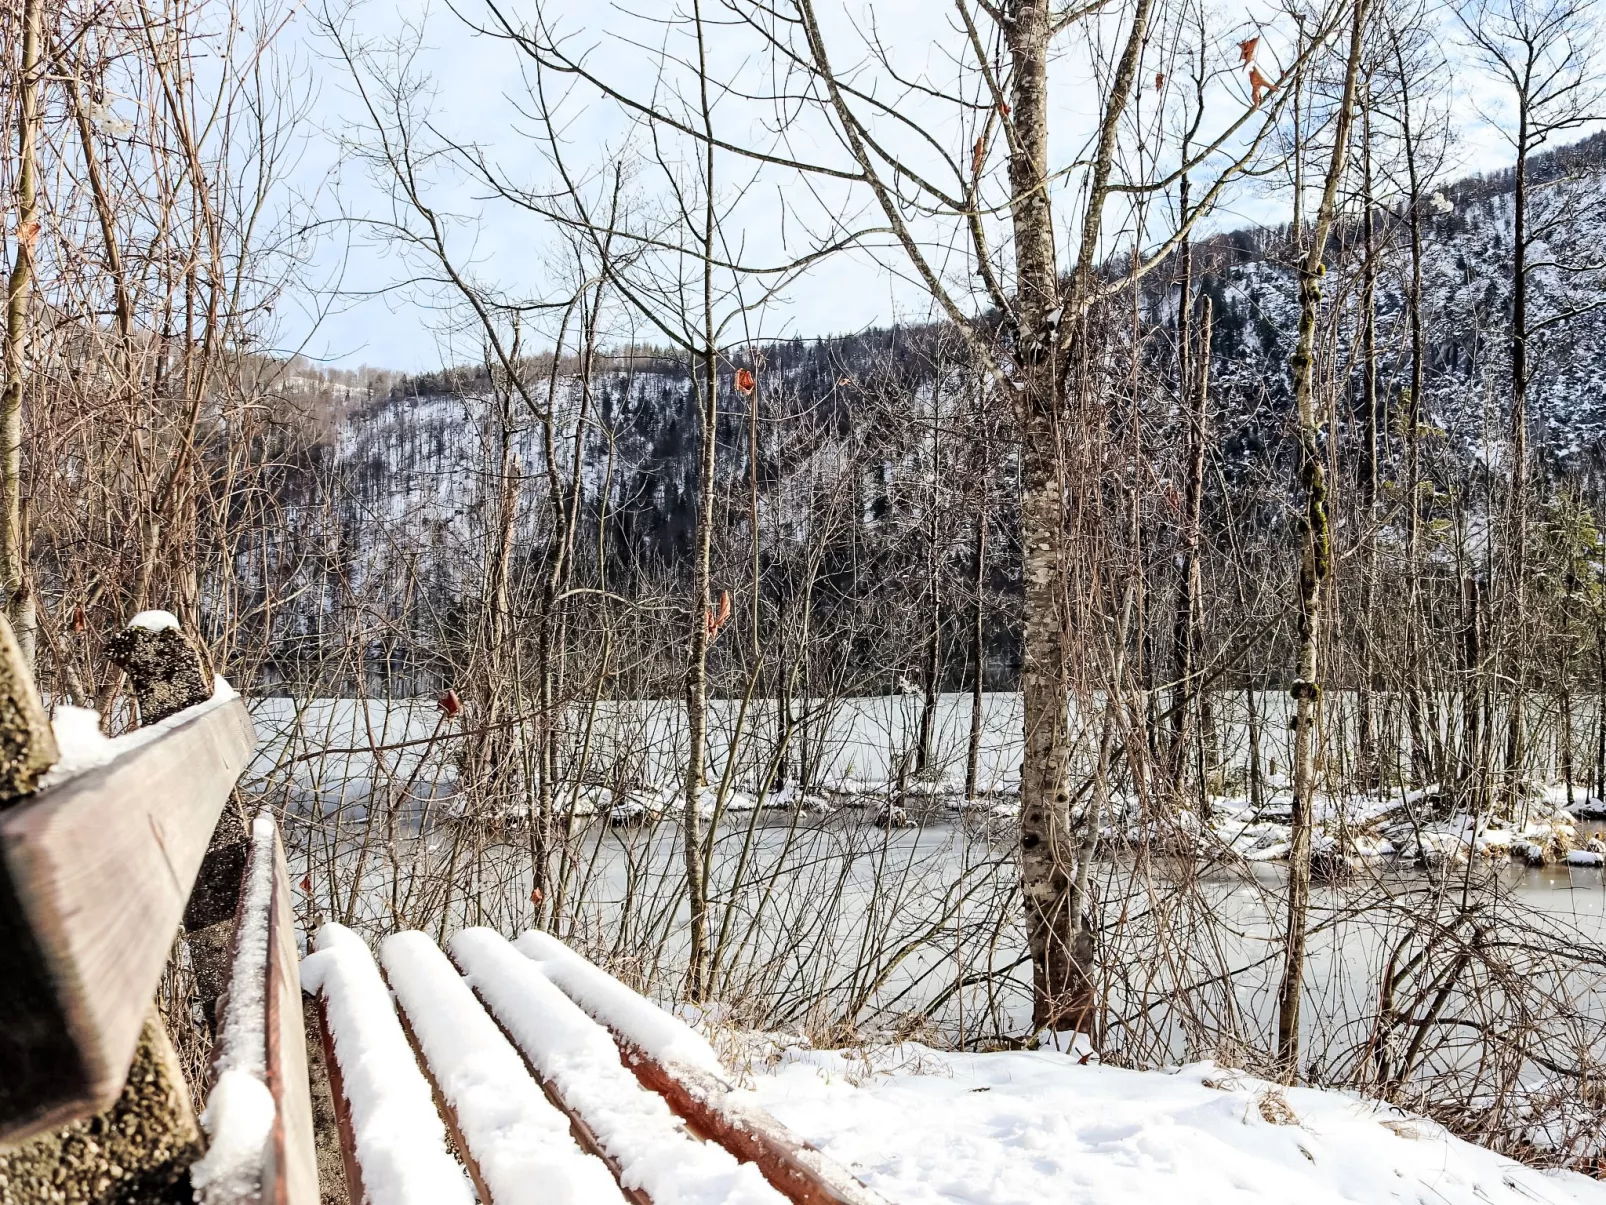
x=893, y=420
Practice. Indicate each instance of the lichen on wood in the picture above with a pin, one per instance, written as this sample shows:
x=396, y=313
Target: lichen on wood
x=138, y=1150
x=164, y=668
x=27, y=743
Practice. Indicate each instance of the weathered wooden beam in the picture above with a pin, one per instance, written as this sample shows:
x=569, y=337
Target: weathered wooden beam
x=355, y=1192
x=94, y=875
x=325, y=1120
x=293, y=1174
x=169, y=674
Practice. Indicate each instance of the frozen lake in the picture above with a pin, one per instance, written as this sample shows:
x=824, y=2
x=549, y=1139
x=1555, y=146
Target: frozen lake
x=827, y=923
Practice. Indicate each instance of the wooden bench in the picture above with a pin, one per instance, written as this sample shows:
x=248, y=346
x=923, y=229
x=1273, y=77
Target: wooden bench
x=666, y=1126
x=508, y=1073
x=97, y=864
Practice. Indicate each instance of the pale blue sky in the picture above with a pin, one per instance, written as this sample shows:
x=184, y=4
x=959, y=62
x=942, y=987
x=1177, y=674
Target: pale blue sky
x=477, y=87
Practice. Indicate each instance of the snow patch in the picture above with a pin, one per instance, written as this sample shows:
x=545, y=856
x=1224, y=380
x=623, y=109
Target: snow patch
x=82, y=746
x=154, y=621
x=238, y=1120
x=926, y=1127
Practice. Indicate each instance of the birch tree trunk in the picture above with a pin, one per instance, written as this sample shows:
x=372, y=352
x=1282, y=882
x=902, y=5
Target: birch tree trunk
x=1314, y=569
x=13, y=553
x=1061, y=949
x=1059, y=940
x=702, y=628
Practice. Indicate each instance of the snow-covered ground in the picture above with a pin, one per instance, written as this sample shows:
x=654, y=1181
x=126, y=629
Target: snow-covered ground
x=917, y=1125
x=1028, y=1127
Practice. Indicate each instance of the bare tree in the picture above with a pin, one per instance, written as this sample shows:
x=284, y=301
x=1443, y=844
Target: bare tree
x=1544, y=54
x=13, y=537
x=1316, y=554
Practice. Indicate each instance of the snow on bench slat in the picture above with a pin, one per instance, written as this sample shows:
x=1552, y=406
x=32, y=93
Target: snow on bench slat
x=650, y=1146
x=240, y=1108
x=694, y=1072
x=82, y=746
x=522, y=1144
x=638, y=1020
x=401, y=1143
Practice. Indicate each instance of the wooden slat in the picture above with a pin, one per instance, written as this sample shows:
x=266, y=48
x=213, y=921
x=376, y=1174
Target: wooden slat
x=261, y=1031
x=454, y=1128
x=355, y=1191
x=797, y=1170
x=584, y=1136
x=292, y=1175
x=94, y=875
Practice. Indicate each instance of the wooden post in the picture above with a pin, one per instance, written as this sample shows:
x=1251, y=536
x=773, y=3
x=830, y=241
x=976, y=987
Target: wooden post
x=27, y=743
x=165, y=669
x=139, y=1150
x=168, y=675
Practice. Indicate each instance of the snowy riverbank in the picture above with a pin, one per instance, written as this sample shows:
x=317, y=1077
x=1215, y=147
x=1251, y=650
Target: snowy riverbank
x=930, y=1128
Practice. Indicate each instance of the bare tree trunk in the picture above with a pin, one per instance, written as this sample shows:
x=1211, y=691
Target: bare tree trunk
x=697, y=680
x=931, y=679
x=1516, y=736
x=1061, y=949
x=978, y=650
x=1314, y=570
x=1186, y=638
x=1600, y=704
x=13, y=536
x=1424, y=763
x=1367, y=743
x=702, y=594
x=1059, y=940
x=1256, y=781
x=1182, y=625
x=1472, y=707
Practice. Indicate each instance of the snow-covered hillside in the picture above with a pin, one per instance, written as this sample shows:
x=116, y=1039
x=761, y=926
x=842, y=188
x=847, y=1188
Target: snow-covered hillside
x=845, y=423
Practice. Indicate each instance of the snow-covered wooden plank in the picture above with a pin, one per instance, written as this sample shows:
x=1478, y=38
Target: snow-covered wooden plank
x=259, y=1115
x=649, y=1146
x=293, y=1173
x=517, y=1143
x=352, y=1170
x=95, y=870
x=673, y=1060
x=396, y=1144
